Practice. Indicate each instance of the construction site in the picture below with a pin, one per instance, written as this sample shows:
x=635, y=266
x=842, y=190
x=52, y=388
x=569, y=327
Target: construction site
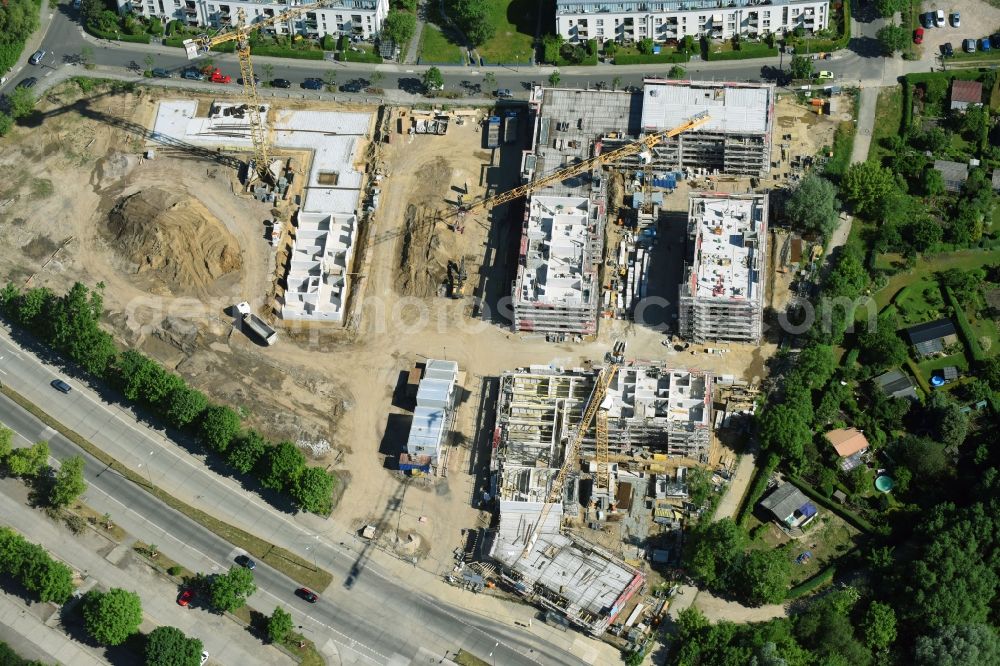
x=375, y=240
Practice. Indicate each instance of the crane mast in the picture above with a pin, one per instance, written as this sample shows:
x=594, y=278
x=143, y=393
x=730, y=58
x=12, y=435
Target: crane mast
x=241, y=35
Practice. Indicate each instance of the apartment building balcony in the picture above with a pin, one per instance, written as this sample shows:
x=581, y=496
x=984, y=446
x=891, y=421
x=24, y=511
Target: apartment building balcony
x=190, y=10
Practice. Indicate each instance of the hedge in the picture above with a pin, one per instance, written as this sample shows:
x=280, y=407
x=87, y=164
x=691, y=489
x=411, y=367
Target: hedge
x=966, y=328
x=756, y=488
x=817, y=581
x=907, y=119
x=651, y=58
x=117, y=36
x=9, y=53
x=851, y=517
x=357, y=56
x=178, y=41
x=924, y=386
x=840, y=42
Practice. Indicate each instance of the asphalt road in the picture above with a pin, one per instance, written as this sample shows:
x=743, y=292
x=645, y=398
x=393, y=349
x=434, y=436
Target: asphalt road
x=372, y=615
x=65, y=40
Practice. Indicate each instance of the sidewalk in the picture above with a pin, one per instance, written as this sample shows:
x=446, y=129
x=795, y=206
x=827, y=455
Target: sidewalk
x=45, y=20
x=225, y=640
x=16, y=618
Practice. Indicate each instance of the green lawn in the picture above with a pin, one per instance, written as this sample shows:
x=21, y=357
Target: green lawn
x=436, y=48
x=888, y=117
x=986, y=328
x=963, y=259
x=919, y=301
x=515, y=22
x=928, y=367
x=827, y=538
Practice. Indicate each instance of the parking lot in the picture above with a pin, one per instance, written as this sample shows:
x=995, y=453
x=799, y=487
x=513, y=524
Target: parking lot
x=978, y=19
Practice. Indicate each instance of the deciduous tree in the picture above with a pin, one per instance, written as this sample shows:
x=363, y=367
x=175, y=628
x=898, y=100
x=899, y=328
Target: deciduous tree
x=230, y=590
x=433, y=80
x=28, y=461
x=865, y=183
x=813, y=205
x=281, y=466
x=473, y=16
x=246, y=450
x=168, y=646
x=279, y=625
x=880, y=626
x=762, y=577
x=111, y=617
x=959, y=645
x=69, y=483
x=399, y=26
x=20, y=102
x=312, y=490
x=802, y=67
x=219, y=425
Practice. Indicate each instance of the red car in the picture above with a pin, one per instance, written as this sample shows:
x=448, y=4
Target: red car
x=216, y=76
x=918, y=36
x=307, y=594
x=185, y=597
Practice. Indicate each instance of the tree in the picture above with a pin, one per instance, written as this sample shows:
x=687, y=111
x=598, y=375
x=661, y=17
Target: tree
x=802, y=67
x=813, y=205
x=330, y=79
x=281, y=466
x=959, y=645
x=880, y=346
x=184, y=404
x=785, y=431
x=28, y=461
x=433, y=80
x=219, y=425
x=762, y=577
x=229, y=591
x=312, y=490
x=69, y=483
x=376, y=78
x=6, y=442
x=279, y=625
x=111, y=617
x=865, y=183
x=645, y=46
x=489, y=81
x=408, y=5
x=554, y=78
x=880, y=626
x=677, y=72
x=246, y=450
x=399, y=26
x=473, y=16
x=892, y=38
x=715, y=551
x=18, y=19
x=815, y=365
x=75, y=329
x=889, y=8
x=39, y=573
x=6, y=123
x=168, y=646
x=20, y=102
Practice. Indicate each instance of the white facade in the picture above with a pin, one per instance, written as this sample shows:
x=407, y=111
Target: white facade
x=357, y=18
x=634, y=20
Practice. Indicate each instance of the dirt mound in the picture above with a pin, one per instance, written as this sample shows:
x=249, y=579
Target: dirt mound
x=173, y=241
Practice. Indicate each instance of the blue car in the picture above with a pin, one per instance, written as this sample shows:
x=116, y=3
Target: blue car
x=984, y=44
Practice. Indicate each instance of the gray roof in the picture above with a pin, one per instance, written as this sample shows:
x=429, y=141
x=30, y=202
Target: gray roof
x=953, y=174
x=949, y=373
x=996, y=179
x=426, y=431
x=896, y=384
x=784, y=501
x=930, y=330
x=738, y=108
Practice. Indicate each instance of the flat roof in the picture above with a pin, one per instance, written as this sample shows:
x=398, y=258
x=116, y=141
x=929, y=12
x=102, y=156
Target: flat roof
x=426, y=429
x=739, y=108
x=557, y=256
x=730, y=234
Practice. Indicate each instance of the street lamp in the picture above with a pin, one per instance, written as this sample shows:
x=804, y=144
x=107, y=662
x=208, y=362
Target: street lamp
x=148, y=474
x=495, y=645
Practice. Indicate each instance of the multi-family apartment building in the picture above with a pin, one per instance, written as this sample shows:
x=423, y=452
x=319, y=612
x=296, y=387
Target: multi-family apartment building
x=354, y=18
x=666, y=20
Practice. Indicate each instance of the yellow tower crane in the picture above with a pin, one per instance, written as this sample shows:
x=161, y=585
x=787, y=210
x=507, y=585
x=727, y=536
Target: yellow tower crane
x=241, y=35
x=634, y=148
x=614, y=361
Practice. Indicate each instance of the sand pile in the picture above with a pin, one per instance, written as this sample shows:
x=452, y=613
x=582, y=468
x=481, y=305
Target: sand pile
x=173, y=240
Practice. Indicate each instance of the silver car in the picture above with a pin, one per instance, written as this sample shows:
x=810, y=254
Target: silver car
x=36, y=57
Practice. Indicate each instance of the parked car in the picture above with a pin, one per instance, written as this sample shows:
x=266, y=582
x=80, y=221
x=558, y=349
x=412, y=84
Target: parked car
x=36, y=57
x=27, y=83
x=161, y=73
x=246, y=562
x=256, y=80
x=918, y=36
x=218, y=77
x=824, y=75
x=956, y=19
x=939, y=19
x=281, y=83
x=354, y=86
x=192, y=74
x=504, y=93
x=927, y=20
x=947, y=50
x=313, y=84
x=307, y=594
x=995, y=41
x=204, y=657
x=60, y=386
x=984, y=44
x=185, y=597
x=969, y=46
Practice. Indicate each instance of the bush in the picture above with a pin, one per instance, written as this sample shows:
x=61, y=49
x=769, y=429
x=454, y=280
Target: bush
x=155, y=27
x=120, y=35
x=175, y=570
x=965, y=328
x=328, y=42
x=653, y=58
x=34, y=568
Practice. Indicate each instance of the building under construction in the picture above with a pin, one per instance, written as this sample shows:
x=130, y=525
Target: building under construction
x=563, y=233
x=722, y=295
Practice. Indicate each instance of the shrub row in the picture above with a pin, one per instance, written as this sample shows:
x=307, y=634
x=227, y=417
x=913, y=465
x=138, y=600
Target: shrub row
x=814, y=583
x=33, y=567
x=651, y=58
x=971, y=341
x=120, y=36
x=357, y=56
x=275, y=51
x=178, y=41
x=69, y=323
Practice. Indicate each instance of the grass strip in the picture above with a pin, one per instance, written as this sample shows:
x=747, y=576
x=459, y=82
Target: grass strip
x=281, y=559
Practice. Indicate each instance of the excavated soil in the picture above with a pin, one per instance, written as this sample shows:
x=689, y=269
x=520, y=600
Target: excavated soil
x=172, y=241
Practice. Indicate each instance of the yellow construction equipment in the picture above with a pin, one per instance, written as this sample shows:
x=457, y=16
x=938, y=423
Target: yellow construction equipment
x=634, y=148
x=601, y=480
x=241, y=35
x=613, y=362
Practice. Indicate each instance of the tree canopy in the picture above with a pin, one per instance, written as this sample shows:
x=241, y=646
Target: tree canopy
x=892, y=38
x=813, y=205
x=865, y=183
x=69, y=483
x=433, y=80
x=168, y=646
x=111, y=617
x=399, y=26
x=802, y=67
x=473, y=17
x=230, y=590
x=279, y=625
